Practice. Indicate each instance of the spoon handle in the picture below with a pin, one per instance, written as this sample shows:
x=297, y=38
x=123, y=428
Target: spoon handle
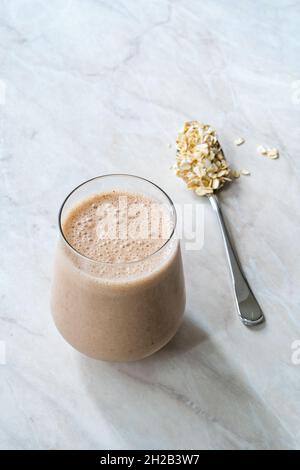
x=249, y=310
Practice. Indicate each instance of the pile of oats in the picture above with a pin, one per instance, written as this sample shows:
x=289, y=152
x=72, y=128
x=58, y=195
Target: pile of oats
x=200, y=161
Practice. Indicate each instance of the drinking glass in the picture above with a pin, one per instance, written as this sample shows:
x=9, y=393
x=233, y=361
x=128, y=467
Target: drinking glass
x=119, y=311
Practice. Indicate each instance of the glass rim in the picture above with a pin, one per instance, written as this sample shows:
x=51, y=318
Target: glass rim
x=107, y=263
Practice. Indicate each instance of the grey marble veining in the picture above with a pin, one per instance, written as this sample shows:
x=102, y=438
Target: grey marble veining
x=90, y=87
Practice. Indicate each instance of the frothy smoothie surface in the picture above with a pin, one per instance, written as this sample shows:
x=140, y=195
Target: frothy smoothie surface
x=118, y=227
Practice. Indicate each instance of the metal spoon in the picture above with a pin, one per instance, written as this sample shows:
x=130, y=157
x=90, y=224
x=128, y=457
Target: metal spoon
x=248, y=308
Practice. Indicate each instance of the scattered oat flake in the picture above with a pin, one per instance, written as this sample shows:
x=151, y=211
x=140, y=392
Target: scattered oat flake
x=272, y=153
x=245, y=172
x=261, y=149
x=239, y=141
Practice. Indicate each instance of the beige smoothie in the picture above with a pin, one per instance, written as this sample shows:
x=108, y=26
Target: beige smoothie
x=118, y=290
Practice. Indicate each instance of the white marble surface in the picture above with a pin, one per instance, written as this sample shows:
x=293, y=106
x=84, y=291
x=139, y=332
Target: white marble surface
x=91, y=87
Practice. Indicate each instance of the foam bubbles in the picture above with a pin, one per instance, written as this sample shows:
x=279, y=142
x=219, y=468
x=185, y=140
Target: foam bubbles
x=111, y=246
